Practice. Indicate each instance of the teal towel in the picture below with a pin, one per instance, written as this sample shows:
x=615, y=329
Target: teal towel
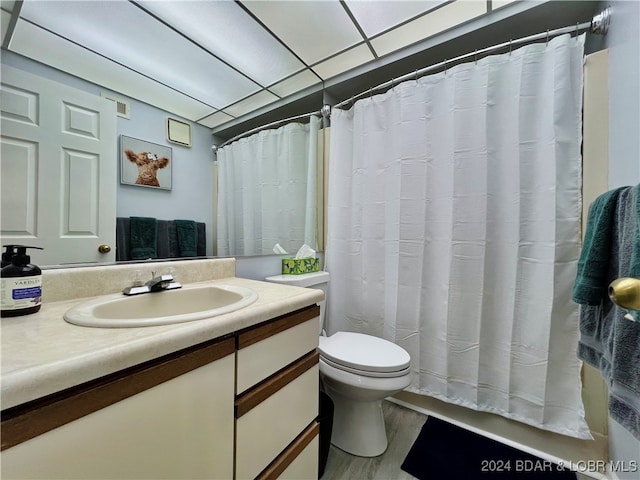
x=187, y=237
x=608, y=340
x=591, y=281
x=143, y=237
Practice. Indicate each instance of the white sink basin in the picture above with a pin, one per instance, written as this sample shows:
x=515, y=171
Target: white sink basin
x=161, y=308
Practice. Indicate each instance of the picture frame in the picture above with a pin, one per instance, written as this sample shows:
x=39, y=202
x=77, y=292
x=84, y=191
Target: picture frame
x=178, y=132
x=145, y=164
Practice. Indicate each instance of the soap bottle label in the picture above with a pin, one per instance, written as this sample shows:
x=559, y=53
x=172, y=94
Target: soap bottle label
x=21, y=292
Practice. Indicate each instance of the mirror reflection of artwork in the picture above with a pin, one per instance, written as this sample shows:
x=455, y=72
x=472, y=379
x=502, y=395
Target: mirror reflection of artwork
x=144, y=164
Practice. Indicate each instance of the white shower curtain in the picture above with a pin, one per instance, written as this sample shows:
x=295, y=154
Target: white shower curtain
x=453, y=230
x=267, y=191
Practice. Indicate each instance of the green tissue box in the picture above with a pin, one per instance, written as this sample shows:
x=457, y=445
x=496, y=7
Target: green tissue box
x=298, y=266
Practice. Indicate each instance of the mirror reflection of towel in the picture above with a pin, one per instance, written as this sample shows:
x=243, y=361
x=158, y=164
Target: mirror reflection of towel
x=143, y=237
x=187, y=237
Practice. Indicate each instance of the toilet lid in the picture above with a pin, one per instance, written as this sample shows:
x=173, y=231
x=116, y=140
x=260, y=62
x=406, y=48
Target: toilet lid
x=364, y=352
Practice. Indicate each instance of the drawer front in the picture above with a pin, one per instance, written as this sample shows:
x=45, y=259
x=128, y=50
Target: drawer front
x=265, y=357
x=305, y=465
x=266, y=430
x=300, y=459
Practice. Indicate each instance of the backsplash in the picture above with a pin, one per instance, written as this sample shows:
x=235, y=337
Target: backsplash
x=79, y=282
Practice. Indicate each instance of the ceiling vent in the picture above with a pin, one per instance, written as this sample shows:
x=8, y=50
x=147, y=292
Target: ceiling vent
x=123, y=108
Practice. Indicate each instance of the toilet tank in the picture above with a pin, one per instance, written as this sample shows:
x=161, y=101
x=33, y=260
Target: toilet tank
x=317, y=280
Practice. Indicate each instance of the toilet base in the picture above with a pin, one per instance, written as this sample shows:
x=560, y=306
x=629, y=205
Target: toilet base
x=358, y=427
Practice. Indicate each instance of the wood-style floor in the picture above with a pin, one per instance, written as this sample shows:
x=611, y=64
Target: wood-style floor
x=403, y=426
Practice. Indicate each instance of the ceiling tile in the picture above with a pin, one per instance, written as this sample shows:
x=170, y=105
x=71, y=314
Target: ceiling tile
x=47, y=48
x=252, y=49
x=313, y=29
x=218, y=118
x=215, y=61
x=295, y=83
x=495, y=4
x=252, y=103
x=345, y=61
x=428, y=25
x=376, y=17
x=121, y=31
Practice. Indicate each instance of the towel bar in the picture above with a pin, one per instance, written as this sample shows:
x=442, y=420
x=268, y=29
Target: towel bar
x=625, y=292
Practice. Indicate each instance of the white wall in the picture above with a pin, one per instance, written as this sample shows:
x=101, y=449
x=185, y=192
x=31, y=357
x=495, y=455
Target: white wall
x=623, y=41
x=192, y=183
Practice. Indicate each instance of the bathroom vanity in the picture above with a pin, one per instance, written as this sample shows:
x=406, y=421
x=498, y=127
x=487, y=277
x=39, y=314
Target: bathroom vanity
x=234, y=396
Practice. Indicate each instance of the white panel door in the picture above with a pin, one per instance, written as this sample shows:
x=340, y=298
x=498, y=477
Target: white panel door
x=58, y=170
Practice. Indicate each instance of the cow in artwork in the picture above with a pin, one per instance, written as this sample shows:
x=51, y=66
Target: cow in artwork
x=148, y=165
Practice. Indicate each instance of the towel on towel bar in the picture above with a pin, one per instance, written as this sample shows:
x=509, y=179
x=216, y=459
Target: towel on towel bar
x=608, y=340
x=591, y=281
x=187, y=237
x=143, y=239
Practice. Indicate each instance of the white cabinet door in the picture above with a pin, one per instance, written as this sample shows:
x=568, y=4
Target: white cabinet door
x=58, y=169
x=181, y=428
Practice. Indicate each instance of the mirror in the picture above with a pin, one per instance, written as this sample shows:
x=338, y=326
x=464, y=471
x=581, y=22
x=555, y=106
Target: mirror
x=193, y=186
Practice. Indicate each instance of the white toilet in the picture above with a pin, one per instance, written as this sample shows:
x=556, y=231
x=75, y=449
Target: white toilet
x=357, y=372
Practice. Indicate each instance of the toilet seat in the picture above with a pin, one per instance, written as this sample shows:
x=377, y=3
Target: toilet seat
x=365, y=373
x=364, y=355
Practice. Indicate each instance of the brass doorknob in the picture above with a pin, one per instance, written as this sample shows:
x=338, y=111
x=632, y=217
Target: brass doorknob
x=625, y=292
x=104, y=248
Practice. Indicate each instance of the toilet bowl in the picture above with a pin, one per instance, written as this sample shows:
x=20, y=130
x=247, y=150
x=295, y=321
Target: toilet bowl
x=357, y=371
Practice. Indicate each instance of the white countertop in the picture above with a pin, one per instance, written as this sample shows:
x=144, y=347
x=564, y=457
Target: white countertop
x=43, y=354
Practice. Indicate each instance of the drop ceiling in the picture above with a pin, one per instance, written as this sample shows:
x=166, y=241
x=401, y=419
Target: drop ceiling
x=218, y=62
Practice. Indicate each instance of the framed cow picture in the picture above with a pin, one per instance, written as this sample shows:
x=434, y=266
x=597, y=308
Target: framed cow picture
x=145, y=164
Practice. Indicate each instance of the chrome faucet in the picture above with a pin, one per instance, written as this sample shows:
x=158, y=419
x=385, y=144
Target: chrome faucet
x=156, y=284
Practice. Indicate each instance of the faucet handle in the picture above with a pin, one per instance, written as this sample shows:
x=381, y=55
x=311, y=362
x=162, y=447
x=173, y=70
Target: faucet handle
x=135, y=277
x=170, y=271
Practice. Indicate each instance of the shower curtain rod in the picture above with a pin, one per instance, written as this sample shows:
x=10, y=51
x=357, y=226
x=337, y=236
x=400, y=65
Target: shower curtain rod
x=215, y=148
x=599, y=24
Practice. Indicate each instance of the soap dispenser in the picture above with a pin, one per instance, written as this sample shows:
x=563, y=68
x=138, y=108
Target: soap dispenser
x=21, y=284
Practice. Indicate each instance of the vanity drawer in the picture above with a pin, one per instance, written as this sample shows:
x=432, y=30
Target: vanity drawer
x=300, y=459
x=267, y=348
x=266, y=422
x=305, y=465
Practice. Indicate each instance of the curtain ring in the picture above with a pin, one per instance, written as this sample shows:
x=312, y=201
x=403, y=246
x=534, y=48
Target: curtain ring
x=510, y=47
x=547, y=36
x=476, y=56
x=445, y=65
x=416, y=74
